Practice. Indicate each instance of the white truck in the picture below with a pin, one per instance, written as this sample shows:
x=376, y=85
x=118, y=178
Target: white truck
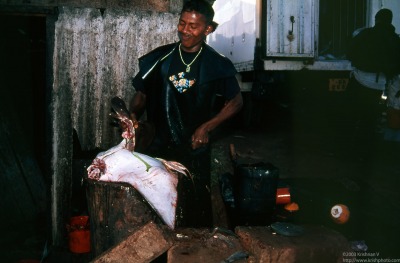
x=290, y=35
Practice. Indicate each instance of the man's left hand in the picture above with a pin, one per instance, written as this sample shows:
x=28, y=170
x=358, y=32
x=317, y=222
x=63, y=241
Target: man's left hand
x=199, y=138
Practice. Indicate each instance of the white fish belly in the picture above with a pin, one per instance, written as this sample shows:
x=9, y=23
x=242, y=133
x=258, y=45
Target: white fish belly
x=148, y=176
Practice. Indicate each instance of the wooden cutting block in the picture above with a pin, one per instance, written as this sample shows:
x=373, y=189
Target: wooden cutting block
x=116, y=210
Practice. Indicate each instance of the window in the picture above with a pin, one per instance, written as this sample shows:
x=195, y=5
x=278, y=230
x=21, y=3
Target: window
x=337, y=21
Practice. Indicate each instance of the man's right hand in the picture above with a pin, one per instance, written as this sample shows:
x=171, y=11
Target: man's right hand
x=137, y=105
x=134, y=120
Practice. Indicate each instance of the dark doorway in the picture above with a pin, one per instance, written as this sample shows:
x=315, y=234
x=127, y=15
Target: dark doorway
x=22, y=129
x=23, y=84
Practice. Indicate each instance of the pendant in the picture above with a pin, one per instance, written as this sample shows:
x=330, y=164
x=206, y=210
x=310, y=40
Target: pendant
x=188, y=69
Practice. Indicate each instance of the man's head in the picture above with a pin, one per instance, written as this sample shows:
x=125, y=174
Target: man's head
x=195, y=23
x=384, y=16
x=202, y=7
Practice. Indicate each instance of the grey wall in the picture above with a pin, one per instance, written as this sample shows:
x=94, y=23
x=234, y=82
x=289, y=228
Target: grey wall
x=27, y=6
x=95, y=57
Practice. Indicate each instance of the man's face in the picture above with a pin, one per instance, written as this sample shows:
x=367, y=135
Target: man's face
x=192, y=30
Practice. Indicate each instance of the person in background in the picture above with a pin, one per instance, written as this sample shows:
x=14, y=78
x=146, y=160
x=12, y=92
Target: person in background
x=179, y=87
x=375, y=56
x=392, y=131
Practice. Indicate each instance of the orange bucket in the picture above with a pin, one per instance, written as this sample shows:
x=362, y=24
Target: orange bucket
x=79, y=234
x=282, y=196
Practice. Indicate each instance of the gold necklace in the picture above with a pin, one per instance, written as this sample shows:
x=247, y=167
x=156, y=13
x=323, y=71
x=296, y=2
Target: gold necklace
x=188, y=65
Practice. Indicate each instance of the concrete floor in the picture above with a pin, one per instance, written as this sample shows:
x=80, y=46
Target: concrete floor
x=326, y=160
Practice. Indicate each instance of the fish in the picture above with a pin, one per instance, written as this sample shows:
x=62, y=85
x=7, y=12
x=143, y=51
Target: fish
x=154, y=178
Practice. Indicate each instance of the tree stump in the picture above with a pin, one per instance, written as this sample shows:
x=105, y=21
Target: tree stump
x=116, y=210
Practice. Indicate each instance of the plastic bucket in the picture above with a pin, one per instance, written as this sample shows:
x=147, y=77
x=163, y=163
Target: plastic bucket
x=255, y=192
x=79, y=234
x=283, y=196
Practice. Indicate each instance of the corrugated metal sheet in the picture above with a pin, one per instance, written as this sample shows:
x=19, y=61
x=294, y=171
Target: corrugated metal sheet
x=95, y=56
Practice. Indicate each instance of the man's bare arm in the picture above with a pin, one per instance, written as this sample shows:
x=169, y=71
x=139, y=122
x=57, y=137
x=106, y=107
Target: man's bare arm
x=230, y=108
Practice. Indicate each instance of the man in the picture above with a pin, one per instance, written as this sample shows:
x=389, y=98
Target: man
x=375, y=55
x=178, y=86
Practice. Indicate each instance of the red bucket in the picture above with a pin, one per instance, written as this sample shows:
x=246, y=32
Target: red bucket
x=79, y=234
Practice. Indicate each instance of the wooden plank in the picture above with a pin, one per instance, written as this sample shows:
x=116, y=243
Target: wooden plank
x=145, y=245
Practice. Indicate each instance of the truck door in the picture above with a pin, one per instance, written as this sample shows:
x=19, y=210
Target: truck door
x=290, y=28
